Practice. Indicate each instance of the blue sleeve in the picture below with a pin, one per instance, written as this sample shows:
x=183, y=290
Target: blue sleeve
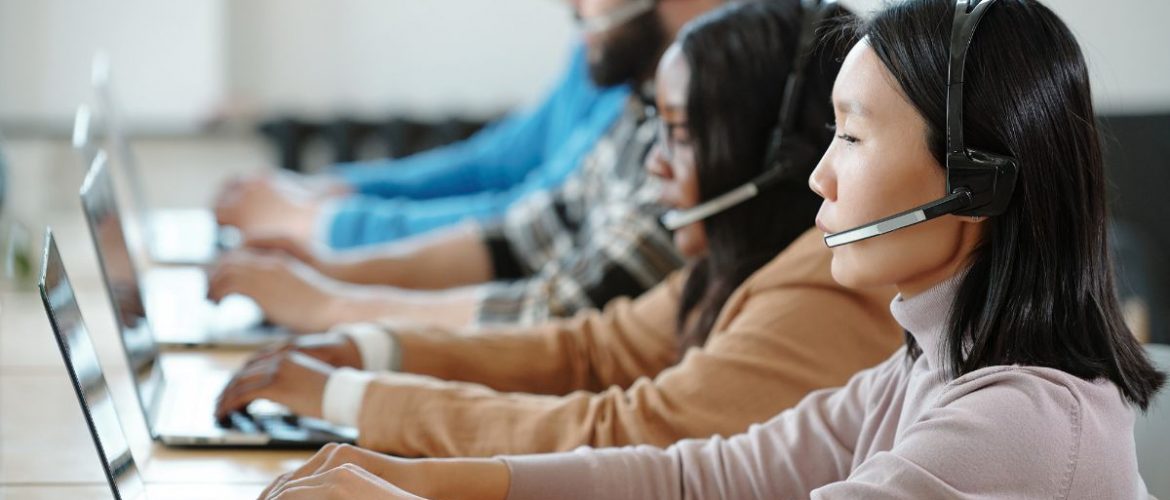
x=498, y=157
x=365, y=220
x=359, y=221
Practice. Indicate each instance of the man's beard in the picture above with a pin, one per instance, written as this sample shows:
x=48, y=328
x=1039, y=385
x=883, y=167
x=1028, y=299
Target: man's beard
x=629, y=52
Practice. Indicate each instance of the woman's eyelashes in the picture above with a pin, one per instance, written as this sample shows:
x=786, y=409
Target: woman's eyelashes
x=841, y=135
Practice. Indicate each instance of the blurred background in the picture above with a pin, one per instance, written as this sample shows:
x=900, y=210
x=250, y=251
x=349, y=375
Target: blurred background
x=214, y=88
x=179, y=63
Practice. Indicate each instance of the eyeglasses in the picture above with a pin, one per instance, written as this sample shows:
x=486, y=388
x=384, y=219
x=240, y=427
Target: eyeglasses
x=669, y=141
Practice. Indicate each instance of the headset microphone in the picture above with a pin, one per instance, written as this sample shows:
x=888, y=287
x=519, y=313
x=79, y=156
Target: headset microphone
x=980, y=183
x=616, y=17
x=814, y=12
x=948, y=204
x=676, y=219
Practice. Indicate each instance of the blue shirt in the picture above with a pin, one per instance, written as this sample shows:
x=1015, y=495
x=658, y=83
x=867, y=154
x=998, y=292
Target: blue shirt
x=478, y=178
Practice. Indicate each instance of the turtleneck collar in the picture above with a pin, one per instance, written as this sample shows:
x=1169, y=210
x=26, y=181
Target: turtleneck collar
x=925, y=315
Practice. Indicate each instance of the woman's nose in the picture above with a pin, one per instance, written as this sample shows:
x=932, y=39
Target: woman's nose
x=822, y=181
x=656, y=163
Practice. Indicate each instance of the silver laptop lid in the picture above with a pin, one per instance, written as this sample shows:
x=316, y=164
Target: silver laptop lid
x=85, y=372
x=83, y=134
x=111, y=116
x=123, y=285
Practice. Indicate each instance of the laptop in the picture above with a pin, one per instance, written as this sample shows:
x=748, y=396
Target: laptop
x=176, y=297
x=85, y=372
x=172, y=236
x=178, y=407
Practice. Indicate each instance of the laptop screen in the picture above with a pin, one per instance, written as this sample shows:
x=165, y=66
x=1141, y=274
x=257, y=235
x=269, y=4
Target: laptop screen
x=86, y=374
x=121, y=278
x=119, y=141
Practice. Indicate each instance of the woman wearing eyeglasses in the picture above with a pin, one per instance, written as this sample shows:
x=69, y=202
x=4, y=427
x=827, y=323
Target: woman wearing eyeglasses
x=740, y=337
x=1018, y=380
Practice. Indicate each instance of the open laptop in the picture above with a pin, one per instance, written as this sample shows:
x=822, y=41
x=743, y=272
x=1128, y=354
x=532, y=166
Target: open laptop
x=172, y=236
x=179, y=407
x=89, y=383
x=176, y=297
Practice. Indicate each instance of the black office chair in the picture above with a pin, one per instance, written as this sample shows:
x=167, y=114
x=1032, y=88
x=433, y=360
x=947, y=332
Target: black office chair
x=1137, y=167
x=1138, y=275
x=289, y=136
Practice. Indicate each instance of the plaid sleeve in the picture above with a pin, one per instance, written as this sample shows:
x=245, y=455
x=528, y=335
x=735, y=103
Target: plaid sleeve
x=623, y=251
x=505, y=264
x=534, y=231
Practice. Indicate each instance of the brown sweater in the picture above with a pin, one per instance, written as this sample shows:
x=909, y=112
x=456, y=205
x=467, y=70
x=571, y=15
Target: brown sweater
x=610, y=378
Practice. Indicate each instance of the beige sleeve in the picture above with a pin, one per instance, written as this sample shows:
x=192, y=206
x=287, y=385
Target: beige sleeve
x=780, y=346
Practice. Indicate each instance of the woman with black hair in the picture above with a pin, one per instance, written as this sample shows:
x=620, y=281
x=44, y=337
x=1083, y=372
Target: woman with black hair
x=1019, y=379
x=731, y=343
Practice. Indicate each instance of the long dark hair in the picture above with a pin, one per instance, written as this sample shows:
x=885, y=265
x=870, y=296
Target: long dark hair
x=740, y=57
x=630, y=51
x=1039, y=290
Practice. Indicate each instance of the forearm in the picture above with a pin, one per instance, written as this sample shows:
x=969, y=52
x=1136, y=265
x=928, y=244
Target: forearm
x=534, y=360
x=435, y=173
x=415, y=416
x=453, y=308
x=782, y=458
x=428, y=478
x=443, y=259
x=498, y=156
x=455, y=479
x=627, y=340
x=411, y=415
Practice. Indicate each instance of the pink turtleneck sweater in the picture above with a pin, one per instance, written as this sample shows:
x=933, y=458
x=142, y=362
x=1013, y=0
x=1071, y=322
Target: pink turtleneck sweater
x=898, y=430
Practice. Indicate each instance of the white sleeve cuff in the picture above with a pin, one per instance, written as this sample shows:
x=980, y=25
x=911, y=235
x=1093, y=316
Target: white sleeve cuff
x=323, y=226
x=377, y=346
x=342, y=402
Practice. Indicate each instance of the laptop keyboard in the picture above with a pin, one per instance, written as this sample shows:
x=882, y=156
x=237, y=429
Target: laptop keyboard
x=262, y=424
x=202, y=420
x=193, y=414
x=177, y=306
x=290, y=427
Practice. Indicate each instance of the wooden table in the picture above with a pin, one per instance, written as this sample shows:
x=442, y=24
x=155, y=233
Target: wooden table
x=45, y=447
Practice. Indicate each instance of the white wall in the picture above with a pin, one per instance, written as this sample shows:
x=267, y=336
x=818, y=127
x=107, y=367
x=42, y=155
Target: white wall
x=1125, y=43
x=166, y=56
x=176, y=61
x=378, y=56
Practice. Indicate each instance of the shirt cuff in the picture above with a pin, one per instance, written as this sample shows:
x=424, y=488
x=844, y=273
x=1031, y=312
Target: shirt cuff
x=323, y=226
x=342, y=402
x=351, y=173
x=505, y=265
x=550, y=475
x=376, y=344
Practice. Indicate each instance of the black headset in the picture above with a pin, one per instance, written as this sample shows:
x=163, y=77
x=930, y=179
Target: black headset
x=979, y=183
x=814, y=12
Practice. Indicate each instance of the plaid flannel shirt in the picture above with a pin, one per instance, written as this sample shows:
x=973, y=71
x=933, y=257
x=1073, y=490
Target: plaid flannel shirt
x=594, y=239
